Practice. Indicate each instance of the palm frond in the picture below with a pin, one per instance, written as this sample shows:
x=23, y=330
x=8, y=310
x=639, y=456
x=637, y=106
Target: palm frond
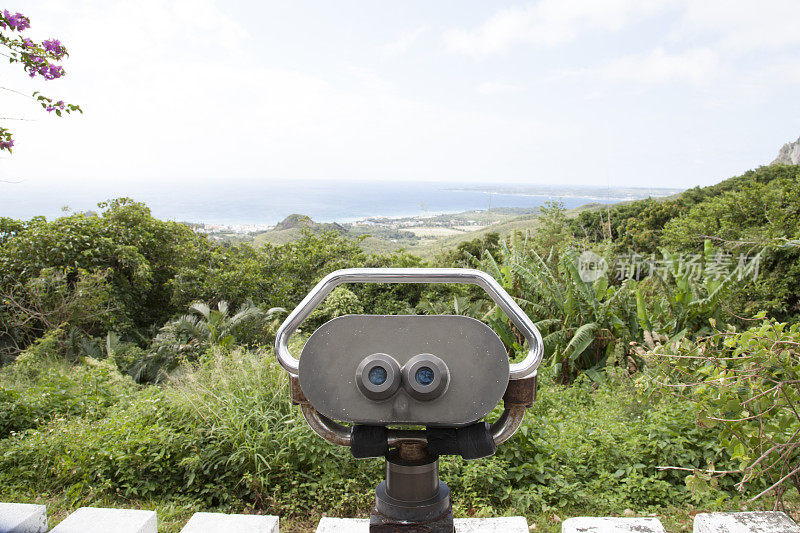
x=490, y=266
x=245, y=313
x=581, y=340
x=202, y=309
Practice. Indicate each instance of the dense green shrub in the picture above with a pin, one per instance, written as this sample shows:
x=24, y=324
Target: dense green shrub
x=140, y=253
x=225, y=433
x=760, y=212
x=647, y=225
x=740, y=215
x=341, y=301
x=606, y=444
x=464, y=254
x=189, y=336
x=40, y=386
x=221, y=429
x=585, y=326
x=764, y=207
x=679, y=302
x=746, y=385
x=73, y=299
x=128, y=273
x=635, y=225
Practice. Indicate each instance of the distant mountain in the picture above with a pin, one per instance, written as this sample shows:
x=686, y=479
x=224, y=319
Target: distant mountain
x=296, y=221
x=789, y=154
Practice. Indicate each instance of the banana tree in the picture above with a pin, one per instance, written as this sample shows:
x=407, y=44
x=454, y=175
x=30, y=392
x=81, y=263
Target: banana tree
x=584, y=325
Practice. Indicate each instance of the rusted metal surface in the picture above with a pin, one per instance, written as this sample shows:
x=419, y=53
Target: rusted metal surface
x=326, y=428
x=508, y=423
x=520, y=392
x=413, y=451
x=295, y=392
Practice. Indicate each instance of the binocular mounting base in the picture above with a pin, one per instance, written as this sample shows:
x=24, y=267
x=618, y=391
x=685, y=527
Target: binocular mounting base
x=412, y=499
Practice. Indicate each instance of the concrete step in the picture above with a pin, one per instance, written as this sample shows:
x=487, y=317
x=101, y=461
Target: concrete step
x=509, y=524
x=22, y=518
x=590, y=524
x=506, y=524
x=746, y=522
x=100, y=520
x=230, y=523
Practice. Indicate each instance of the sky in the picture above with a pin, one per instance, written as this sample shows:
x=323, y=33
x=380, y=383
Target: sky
x=660, y=93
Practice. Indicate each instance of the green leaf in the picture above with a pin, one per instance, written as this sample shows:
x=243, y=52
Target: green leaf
x=581, y=340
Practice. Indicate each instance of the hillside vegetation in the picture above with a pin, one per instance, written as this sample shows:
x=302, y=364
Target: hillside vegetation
x=422, y=238
x=137, y=364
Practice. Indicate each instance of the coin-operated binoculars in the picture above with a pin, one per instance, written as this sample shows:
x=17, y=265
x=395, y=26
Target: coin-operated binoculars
x=442, y=372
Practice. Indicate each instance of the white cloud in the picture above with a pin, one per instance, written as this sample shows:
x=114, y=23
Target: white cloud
x=694, y=66
x=743, y=25
x=176, y=89
x=547, y=23
x=206, y=16
x=737, y=26
x=497, y=87
x=171, y=100
x=406, y=41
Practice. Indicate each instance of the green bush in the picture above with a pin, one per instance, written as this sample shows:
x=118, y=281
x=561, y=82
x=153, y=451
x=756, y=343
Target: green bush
x=604, y=446
x=139, y=253
x=225, y=433
x=40, y=387
x=746, y=385
x=593, y=449
x=69, y=298
x=126, y=357
x=341, y=301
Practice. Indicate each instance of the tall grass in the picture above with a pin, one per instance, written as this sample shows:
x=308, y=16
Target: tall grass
x=224, y=434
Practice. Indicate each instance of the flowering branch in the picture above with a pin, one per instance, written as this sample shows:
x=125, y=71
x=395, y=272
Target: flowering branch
x=37, y=59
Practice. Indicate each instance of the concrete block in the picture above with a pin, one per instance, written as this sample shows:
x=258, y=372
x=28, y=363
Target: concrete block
x=589, y=524
x=99, y=520
x=230, y=523
x=342, y=525
x=513, y=524
x=506, y=524
x=22, y=518
x=747, y=522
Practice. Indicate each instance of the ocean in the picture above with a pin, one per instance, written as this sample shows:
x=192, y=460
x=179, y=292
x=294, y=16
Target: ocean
x=257, y=202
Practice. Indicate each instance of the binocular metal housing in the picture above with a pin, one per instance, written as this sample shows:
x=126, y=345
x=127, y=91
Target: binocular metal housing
x=381, y=374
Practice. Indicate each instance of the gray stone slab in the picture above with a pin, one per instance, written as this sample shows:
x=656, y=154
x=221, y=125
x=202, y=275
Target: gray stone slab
x=506, y=524
x=100, y=520
x=230, y=523
x=589, y=524
x=22, y=518
x=342, y=525
x=509, y=524
x=746, y=522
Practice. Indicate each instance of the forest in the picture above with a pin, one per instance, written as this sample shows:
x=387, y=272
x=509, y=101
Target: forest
x=137, y=369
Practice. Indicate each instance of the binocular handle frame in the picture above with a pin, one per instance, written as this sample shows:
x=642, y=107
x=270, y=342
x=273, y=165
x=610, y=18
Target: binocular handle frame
x=524, y=369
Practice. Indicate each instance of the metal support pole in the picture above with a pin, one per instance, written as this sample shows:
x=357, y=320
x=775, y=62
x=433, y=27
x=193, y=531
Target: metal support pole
x=412, y=498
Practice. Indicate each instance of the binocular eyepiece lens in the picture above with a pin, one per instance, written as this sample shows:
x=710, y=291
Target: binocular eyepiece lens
x=377, y=375
x=424, y=376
